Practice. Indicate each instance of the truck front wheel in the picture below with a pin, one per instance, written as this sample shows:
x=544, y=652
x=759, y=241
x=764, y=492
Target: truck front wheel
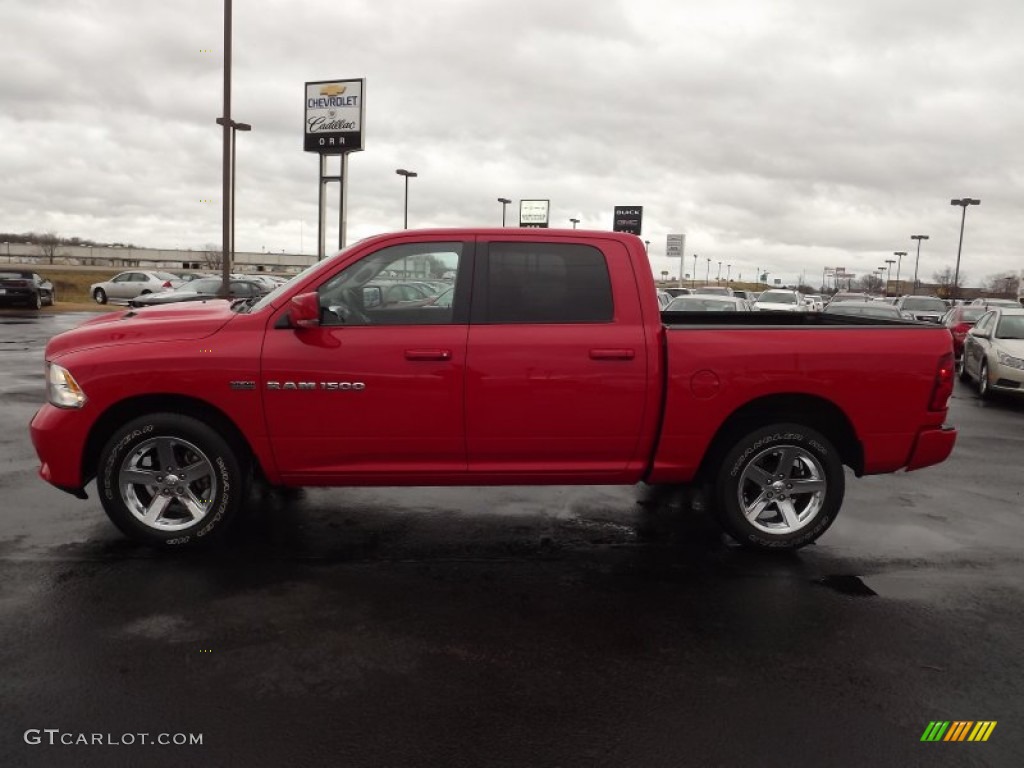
x=170, y=480
x=780, y=487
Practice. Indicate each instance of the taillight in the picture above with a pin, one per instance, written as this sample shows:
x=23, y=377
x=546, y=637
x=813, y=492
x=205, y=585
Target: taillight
x=960, y=330
x=167, y=284
x=943, y=386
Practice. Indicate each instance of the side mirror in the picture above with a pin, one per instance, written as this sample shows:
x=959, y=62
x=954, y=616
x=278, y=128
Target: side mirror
x=305, y=310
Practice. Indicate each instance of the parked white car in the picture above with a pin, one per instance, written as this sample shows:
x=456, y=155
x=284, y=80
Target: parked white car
x=128, y=285
x=786, y=301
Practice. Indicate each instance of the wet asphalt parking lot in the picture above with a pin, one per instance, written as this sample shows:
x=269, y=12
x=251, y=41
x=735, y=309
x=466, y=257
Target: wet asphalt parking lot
x=513, y=626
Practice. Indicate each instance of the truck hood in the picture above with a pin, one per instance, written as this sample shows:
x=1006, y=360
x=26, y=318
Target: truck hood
x=178, y=322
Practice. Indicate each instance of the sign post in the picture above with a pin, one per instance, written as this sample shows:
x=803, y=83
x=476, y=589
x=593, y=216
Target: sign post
x=334, y=122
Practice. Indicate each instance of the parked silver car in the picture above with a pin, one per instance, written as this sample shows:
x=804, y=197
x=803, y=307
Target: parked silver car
x=926, y=308
x=994, y=352
x=708, y=303
x=128, y=285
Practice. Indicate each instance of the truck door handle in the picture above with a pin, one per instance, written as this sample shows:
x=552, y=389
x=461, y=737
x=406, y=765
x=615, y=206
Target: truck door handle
x=428, y=354
x=612, y=354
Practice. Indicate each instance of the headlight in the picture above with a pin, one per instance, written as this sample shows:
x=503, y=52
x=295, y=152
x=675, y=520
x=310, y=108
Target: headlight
x=1010, y=361
x=61, y=388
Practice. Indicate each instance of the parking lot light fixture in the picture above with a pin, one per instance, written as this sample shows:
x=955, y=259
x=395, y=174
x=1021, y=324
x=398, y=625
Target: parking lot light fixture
x=504, y=201
x=919, y=238
x=408, y=175
x=888, y=274
x=574, y=222
x=963, y=203
x=899, y=263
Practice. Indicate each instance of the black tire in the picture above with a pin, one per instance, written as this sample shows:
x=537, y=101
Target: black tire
x=99, y=296
x=961, y=368
x=984, y=390
x=205, y=472
x=145, y=293
x=752, y=471
x=51, y=298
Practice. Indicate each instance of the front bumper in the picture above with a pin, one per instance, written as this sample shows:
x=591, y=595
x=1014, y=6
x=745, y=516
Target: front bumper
x=932, y=447
x=1005, y=378
x=59, y=435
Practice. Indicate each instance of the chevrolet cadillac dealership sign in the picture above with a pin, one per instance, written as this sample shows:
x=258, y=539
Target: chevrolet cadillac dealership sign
x=334, y=116
x=534, y=213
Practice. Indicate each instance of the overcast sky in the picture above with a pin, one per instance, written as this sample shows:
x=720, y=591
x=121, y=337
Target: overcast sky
x=783, y=134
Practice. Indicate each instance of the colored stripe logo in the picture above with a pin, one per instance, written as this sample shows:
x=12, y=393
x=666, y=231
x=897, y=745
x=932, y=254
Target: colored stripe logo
x=958, y=730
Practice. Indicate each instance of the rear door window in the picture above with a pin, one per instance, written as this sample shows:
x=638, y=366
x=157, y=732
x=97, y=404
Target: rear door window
x=524, y=282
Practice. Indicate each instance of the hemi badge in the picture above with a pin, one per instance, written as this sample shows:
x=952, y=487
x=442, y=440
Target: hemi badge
x=242, y=384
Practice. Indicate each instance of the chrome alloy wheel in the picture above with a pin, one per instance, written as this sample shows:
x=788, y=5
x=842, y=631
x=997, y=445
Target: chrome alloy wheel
x=782, y=489
x=167, y=483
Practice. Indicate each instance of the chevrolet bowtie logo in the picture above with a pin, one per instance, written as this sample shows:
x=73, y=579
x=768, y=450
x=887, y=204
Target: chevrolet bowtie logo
x=332, y=90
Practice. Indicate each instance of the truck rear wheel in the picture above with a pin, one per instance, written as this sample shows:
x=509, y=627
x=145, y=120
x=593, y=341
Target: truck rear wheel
x=170, y=481
x=779, y=487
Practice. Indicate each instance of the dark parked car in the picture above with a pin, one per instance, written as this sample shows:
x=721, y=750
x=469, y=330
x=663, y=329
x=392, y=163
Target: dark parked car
x=960, y=320
x=203, y=289
x=27, y=288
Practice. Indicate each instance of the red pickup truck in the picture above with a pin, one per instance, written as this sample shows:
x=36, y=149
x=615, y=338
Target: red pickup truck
x=548, y=362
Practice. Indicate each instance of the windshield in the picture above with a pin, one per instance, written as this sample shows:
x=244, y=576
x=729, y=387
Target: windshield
x=924, y=304
x=777, y=297
x=272, y=296
x=1011, y=327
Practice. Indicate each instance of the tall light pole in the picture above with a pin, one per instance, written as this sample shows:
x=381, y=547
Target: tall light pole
x=647, y=246
x=728, y=271
x=230, y=258
x=888, y=274
x=963, y=203
x=408, y=175
x=227, y=166
x=707, y=274
x=504, y=201
x=899, y=264
x=919, y=238
x=694, y=281
x=574, y=222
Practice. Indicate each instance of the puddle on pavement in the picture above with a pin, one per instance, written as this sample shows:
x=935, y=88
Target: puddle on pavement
x=847, y=585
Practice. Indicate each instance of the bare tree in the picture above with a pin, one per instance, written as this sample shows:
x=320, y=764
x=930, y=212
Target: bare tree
x=47, y=243
x=1005, y=284
x=870, y=283
x=212, y=257
x=944, y=281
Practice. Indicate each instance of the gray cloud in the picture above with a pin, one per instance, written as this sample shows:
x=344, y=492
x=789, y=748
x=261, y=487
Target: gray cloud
x=789, y=135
